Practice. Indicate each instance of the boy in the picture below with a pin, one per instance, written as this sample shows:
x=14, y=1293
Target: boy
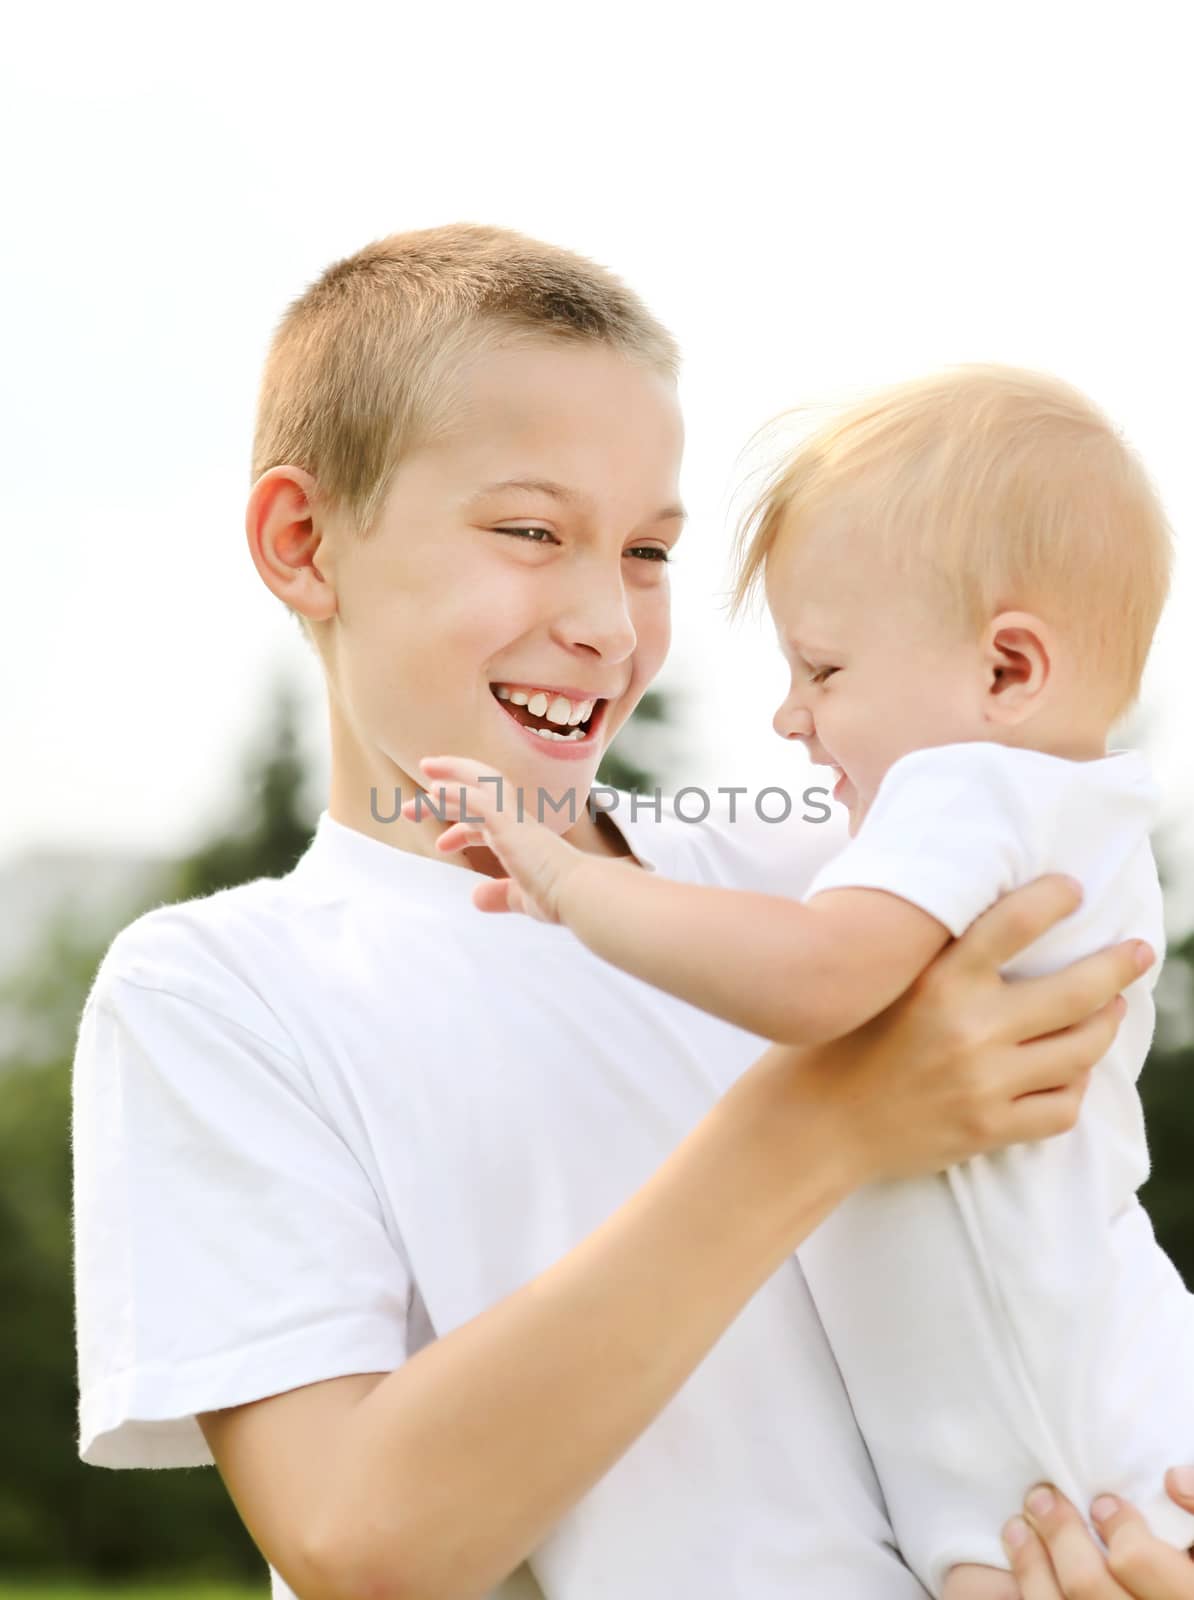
x=447, y=1246
x=965, y=573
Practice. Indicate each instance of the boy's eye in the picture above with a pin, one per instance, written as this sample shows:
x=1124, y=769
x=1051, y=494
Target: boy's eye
x=539, y=534
x=819, y=674
x=650, y=552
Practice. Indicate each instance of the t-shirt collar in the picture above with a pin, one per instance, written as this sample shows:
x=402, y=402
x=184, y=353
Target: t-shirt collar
x=339, y=853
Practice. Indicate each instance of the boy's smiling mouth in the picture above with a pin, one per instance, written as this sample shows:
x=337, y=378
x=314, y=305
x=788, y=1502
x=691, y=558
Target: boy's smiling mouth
x=554, y=716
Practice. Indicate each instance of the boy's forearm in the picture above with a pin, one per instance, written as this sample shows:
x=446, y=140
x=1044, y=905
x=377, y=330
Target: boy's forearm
x=461, y=1461
x=756, y=960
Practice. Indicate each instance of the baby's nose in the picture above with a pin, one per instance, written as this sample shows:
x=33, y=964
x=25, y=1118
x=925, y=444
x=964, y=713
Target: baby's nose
x=793, y=722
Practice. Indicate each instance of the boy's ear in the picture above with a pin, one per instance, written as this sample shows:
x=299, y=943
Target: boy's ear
x=1017, y=661
x=287, y=540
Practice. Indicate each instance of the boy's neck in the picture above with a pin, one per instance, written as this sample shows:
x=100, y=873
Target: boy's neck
x=372, y=810
x=595, y=836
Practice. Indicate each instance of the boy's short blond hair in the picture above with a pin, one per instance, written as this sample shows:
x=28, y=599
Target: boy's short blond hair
x=1007, y=488
x=359, y=369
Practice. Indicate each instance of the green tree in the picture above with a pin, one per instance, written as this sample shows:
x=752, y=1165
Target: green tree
x=56, y=1515
x=271, y=825
x=639, y=755
x=1167, y=1090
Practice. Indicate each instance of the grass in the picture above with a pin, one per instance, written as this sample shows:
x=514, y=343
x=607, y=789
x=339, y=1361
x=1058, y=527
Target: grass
x=82, y=1589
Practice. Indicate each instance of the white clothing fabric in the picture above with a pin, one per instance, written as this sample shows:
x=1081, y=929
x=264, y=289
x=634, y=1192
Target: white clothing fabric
x=322, y=1119
x=1014, y=1319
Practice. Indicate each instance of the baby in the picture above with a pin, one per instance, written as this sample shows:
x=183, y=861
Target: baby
x=965, y=574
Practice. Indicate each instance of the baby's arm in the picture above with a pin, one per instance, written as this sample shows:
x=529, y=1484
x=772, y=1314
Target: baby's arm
x=795, y=973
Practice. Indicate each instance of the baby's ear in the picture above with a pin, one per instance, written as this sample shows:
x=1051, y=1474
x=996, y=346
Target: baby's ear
x=1017, y=661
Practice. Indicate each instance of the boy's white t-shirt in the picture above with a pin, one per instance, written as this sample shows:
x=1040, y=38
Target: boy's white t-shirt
x=319, y=1120
x=1013, y=1319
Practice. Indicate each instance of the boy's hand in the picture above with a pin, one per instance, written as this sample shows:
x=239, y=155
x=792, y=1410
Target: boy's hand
x=483, y=809
x=1054, y=1557
x=967, y=1061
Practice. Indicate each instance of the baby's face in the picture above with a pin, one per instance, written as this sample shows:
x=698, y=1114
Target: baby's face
x=876, y=670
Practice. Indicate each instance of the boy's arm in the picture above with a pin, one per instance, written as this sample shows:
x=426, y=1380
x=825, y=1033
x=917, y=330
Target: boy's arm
x=796, y=973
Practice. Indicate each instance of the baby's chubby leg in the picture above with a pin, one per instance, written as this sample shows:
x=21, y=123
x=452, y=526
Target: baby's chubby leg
x=969, y=1582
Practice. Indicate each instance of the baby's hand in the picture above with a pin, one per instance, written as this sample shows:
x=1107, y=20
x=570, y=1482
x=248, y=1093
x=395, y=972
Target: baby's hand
x=486, y=813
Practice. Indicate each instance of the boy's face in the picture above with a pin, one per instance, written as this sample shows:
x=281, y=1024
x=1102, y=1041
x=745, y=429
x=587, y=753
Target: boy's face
x=876, y=671
x=520, y=558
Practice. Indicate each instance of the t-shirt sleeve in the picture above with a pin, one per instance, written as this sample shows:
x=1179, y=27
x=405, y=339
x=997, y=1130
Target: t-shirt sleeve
x=949, y=830
x=228, y=1243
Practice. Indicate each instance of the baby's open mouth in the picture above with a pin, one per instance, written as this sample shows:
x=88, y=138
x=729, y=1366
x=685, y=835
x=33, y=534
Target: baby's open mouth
x=550, y=715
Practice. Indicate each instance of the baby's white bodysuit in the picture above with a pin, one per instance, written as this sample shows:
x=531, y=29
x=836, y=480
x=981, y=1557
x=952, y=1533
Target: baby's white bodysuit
x=1013, y=1320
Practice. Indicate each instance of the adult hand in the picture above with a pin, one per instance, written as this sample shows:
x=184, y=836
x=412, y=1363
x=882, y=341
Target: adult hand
x=967, y=1061
x=1054, y=1556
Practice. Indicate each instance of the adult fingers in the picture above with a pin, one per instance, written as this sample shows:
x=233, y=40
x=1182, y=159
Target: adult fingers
x=1057, y=1059
x=1080, y=1571
x=1016, y=920
x=1147, y=1568
x=1030, y=1563
x=1179, y=1484
x=1047, y=1005
x=1045, y=1113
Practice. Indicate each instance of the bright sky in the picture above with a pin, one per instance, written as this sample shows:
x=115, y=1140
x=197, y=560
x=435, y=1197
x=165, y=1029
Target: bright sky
x=815, y=197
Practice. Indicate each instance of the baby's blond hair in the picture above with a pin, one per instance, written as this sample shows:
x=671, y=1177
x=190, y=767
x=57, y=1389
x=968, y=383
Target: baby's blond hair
x=1006, y=487
x=358, y=370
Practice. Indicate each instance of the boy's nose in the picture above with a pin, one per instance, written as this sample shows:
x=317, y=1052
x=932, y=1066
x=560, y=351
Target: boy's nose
x=596, y=618
x=793, y=722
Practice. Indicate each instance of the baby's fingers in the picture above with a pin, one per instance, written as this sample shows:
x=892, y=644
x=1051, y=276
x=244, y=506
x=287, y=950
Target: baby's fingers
x=503, y=894
x=460, y=836
x=494, y=895
x=449, y=802
x=461, y=770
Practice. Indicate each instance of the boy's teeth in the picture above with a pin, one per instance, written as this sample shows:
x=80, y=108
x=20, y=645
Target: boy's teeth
x=562, y=738
x=556, y=708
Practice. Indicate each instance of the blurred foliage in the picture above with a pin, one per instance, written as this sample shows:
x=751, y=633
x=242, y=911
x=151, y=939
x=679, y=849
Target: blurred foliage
x=1167, y=1090
x=58, y=1516
x=271, y=827
x=130, y=1589
x=634, y=759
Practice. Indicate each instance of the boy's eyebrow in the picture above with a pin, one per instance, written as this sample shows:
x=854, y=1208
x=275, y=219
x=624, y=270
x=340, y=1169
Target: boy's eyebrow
x=567, y=496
